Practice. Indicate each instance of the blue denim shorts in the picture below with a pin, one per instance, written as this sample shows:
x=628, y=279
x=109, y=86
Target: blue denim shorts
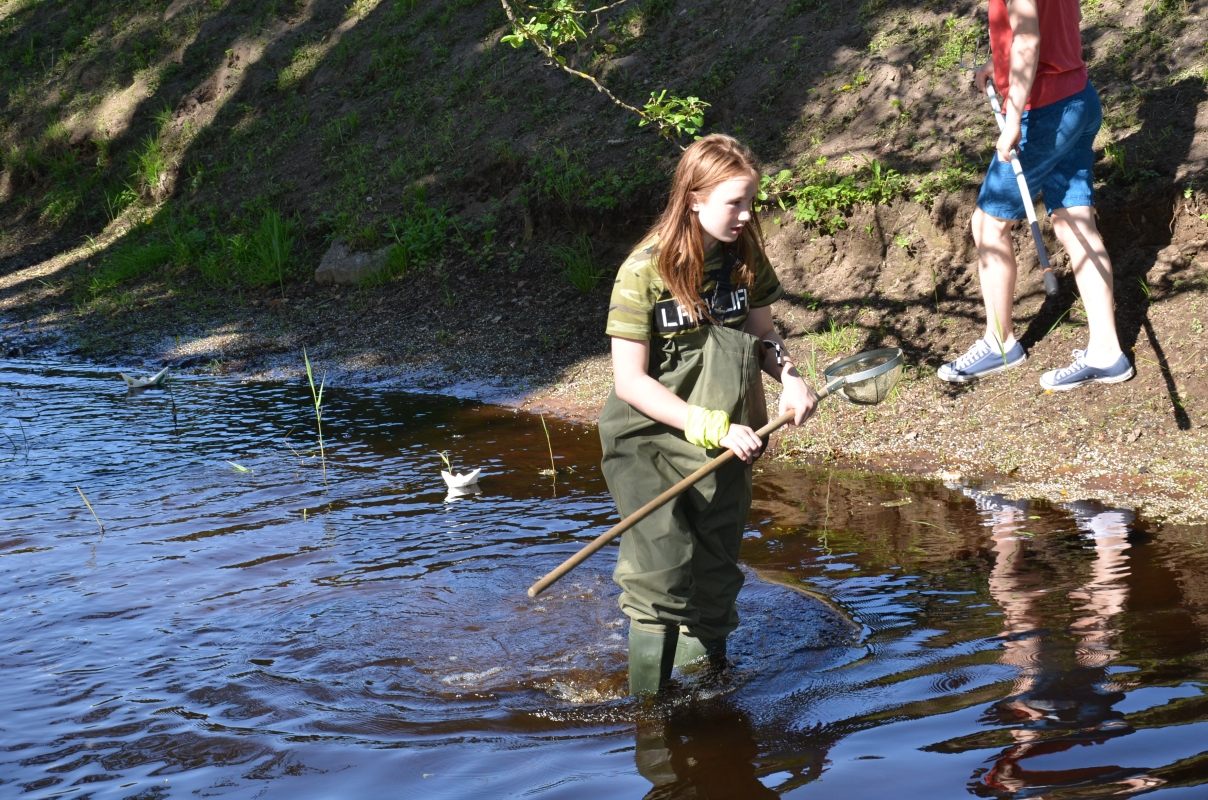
x=1057, y=155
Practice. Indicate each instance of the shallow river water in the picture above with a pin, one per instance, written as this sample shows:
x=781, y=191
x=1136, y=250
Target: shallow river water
x=258, y=632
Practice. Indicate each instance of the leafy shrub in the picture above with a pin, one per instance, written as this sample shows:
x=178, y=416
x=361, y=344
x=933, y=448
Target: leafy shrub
x=420, y=236
x=822, y=197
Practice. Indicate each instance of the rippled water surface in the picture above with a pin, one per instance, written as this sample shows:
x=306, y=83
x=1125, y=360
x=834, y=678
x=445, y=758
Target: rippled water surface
x=256, y=632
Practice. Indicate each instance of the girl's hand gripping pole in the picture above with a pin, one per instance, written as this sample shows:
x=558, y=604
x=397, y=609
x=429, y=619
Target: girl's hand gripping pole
x=1050, y=278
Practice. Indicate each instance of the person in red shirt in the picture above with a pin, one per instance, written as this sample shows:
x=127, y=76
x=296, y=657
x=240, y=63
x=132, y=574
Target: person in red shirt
x=1052, y=116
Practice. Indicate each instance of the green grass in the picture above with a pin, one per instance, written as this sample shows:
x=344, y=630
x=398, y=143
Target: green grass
x=835, y=339
x=1123, y=171
x=558, y=177
x=127, y=263
x=420, y=236
x=342, y=130
x=268, y=251
x=317, y=396
x=69, y=184
x=577, y=263
x=147, y=166
x=957, y=38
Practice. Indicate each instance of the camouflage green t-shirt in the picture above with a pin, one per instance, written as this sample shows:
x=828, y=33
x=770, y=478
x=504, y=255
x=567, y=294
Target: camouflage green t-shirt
x=642, y=307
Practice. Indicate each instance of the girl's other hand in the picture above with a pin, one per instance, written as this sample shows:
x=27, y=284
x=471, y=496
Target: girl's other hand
x=796, y=395
x=743, y=442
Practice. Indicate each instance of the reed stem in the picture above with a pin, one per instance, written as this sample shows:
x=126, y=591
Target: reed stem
x=94, y=516
x=318, y=398
x=552, y=468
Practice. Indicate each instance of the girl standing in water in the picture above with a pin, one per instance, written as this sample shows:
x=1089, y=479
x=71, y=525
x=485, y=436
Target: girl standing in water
x=691, y=326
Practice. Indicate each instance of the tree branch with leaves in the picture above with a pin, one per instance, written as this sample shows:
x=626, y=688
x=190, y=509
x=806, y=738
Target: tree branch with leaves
x=555, y=23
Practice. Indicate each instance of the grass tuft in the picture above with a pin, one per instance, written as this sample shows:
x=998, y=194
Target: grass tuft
x=577, y=262
x=836, y=339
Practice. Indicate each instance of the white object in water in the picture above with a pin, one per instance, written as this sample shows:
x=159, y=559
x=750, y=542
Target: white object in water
x=143, y=383
x=455, y=481
x=457, y=494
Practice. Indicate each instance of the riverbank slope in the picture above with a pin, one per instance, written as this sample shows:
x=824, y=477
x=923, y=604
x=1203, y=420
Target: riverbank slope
x=175, y=172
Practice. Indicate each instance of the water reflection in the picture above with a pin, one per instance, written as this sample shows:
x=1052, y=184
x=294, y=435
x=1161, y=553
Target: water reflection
x=711, y=755
x=264, y=634
x=1063, y=695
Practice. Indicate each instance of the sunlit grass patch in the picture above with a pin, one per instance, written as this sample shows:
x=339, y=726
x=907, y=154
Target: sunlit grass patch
x=128, y=262
x=301, y=64
x=835, y=339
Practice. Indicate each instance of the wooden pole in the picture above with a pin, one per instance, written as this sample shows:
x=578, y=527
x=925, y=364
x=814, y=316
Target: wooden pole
x=646, y=510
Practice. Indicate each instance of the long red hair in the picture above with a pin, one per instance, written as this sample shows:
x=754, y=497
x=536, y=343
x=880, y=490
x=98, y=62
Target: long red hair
x=707, y=163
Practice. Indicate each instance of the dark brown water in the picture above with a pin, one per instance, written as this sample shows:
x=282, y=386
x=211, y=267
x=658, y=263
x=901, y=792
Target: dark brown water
x=259, y=634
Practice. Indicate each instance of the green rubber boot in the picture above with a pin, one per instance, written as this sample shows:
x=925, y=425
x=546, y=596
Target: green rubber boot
x=689, y=650
x=651, y=655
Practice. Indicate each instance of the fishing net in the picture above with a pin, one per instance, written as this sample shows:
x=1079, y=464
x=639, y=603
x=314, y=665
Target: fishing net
x=867, y=377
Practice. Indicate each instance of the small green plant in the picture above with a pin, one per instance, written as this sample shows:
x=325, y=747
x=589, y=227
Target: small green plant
x=1122, y=170
x=342, y=130
x=419, y=238
x=835, y=339
x=797, y=7
x=317, y=396
x=820, y=196
x=553, y=468
x=999, y=339
x=268, y=250
x=578, y=263
x=957, y=39
x=954, y=174
x=116, y=200
x=147, y=164
x=562, y=177
x=128, y=262
x=811, y=368
x=1144, y=288
x=305, y=58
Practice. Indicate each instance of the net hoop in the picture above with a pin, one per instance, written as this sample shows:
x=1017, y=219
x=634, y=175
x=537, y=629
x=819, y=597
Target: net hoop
x=893, y=357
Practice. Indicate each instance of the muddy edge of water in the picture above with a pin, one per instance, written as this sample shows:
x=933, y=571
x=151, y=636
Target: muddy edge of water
x=1105, y=443
x=1162, y=474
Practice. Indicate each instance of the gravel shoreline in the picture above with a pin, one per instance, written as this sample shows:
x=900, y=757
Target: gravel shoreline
x=1142, y=444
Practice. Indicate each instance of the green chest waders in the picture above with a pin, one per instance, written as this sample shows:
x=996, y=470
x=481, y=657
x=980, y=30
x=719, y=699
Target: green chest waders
x=678, y=568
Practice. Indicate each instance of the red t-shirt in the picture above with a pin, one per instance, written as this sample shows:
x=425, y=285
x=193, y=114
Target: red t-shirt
x=1061, y=71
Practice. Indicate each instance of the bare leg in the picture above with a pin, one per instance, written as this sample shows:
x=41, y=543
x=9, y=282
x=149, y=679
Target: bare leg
x=996, y=270
x=1079, y=235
